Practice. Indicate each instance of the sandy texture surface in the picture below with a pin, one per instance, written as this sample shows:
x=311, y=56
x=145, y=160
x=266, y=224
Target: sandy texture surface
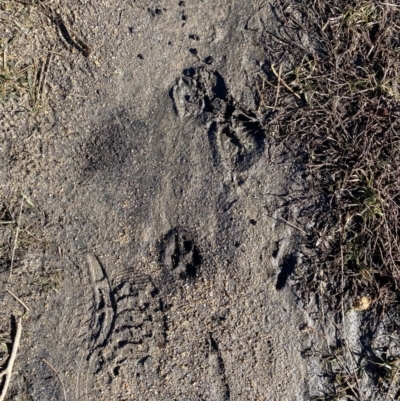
x=154, y=252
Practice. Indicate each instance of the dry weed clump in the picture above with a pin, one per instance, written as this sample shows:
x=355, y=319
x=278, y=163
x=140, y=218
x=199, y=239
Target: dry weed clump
x=333, y=78
x=342, y=113
x=16, y=73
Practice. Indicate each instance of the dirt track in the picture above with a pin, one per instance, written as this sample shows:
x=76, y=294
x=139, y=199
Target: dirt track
x=156, y=213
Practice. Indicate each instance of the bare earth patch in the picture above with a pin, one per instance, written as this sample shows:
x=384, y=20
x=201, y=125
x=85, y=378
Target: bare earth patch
x=199, y=201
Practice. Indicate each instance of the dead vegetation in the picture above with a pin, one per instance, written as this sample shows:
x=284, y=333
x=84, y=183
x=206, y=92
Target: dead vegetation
x=332, y=75
x=16, y=73
x=7, y=372
x=31, y=35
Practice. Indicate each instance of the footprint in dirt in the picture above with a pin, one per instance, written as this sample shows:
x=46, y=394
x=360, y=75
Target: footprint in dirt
x=196, y=91
x=126, y=324
x=236, y=136
x=180, y=257
x=126, y=314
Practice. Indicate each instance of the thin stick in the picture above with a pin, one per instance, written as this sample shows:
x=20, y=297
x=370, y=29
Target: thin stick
x=41, y=76
x=17, y=299
x=49, y=60
x=389, y=4
x=292, y=225
x=289, y=223
x=342, y=288
x=278, y=88
x=350, y=352
x=391, y=384
x=59, y=378
x=261, y=98
x=284, y=83
x=7, y=372
x=16, y=239
x=35, y=78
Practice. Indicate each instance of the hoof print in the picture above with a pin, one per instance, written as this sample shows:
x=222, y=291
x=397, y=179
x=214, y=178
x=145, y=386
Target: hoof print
x=179, y=255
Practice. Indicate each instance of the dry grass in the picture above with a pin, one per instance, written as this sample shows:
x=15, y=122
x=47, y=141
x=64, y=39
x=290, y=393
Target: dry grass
x=333, y=76
x=30, y=33
x=17, y=74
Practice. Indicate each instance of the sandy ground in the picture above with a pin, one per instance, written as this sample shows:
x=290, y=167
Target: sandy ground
x=147, y=230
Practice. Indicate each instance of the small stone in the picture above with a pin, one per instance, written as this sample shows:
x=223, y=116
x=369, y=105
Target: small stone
x=362, y=303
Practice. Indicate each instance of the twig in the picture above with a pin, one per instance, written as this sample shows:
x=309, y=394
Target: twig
x=350, y=369
x=260, y=94
x=15, y=240
x=357, y=365
x=33, y=86
x=58, y=376
x=389, y=4
x=289, y=223
x=342, y=287
x=40, y=77
x=283, y=82
x=70, y=38
x=278, y=87
x=46, y=72
x=17, y=299
x=391, y=384
x=7, y=372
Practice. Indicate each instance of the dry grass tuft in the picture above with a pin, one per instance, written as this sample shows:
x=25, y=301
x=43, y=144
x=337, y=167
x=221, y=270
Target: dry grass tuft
x=336, y=102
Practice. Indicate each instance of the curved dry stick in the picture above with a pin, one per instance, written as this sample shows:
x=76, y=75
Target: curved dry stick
x=59, y=377
x=8, y=371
